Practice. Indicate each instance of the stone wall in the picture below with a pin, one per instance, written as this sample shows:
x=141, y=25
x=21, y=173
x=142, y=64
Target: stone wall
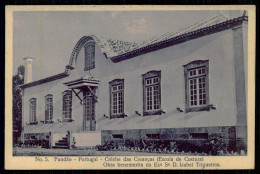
x=196, y=135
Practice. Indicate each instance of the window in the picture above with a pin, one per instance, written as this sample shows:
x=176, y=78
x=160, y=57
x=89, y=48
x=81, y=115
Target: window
x=199, y=135
x=116, y=98
x=89, y=56
x=33, y=110
x=67, y=105
x=152, y=136
x=48, y=108
x=152, y=93
x=117, y=136
x=196, y=82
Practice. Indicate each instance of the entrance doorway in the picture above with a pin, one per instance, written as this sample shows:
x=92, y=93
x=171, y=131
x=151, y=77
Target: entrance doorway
x=87, y=86
x=89, y=118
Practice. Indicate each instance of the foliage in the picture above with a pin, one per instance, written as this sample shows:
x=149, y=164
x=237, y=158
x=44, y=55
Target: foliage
x=107, y=146
x=212, y=146
x=18, y=79
x=34, y=143
x=216, y=145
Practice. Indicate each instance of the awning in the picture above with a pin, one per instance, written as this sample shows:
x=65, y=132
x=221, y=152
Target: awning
x=81, y=83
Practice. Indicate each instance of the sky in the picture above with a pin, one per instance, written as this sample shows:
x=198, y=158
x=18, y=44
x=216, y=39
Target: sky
x=50, y=37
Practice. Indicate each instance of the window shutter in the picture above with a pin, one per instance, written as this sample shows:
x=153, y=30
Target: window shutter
x=70, y=105
x=51, y=111
x=63, y=107
x=86, y=59
x=46, y=112
x=30, y=118
x=89, y=56
x=93, y=57
x=93, y=108
x=33, y=106
x=35, y=118
x=67, y=112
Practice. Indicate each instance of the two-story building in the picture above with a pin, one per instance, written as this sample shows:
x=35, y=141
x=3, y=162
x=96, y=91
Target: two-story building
x=188, y=84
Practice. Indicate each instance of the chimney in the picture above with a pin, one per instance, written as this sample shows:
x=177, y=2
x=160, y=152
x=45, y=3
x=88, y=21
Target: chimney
x=28, y=69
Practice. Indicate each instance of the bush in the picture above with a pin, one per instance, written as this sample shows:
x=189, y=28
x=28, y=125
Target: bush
x=216, y=145
x=129, y=143
x=212, y=146
x=35, y=143
x=107, y=146
x=187, y=146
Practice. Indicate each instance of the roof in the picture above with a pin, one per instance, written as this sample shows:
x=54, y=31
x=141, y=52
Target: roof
x=117, y=50
x=116, y=47
x=48, y=79
x=198, y=25
x=184, y=34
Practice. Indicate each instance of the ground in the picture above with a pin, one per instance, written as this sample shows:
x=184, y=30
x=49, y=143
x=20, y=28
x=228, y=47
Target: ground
x=37, y=151
x=18, y=151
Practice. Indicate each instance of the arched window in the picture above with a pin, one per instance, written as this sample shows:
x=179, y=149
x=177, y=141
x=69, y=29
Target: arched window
x=48, y=108
x=67, y=105
x=33, y=110
x=89, y=55
x=116, y=88
x=197, y=85
x=152, y=93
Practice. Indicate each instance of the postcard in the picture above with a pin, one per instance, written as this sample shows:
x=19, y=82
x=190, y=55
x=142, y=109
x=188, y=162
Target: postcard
x=130, y=87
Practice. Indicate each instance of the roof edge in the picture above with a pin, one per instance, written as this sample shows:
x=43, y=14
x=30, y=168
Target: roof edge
x=66, y=73
x=41, y=81
x=181, y=38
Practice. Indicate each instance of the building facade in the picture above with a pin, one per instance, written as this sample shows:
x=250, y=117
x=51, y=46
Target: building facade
x=185, y=85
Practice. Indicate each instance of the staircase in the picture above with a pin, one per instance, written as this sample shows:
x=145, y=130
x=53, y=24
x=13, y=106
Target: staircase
x=61, y=144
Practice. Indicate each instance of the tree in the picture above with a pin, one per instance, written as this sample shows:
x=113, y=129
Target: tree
x=18, y=79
